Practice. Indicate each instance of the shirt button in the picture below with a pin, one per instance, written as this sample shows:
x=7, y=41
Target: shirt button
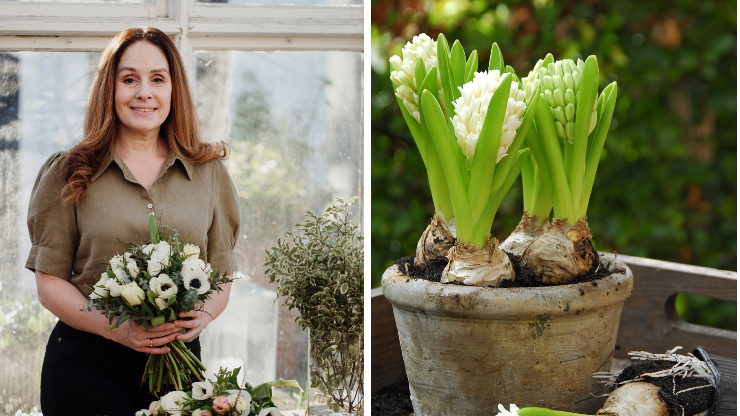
x=150, y=206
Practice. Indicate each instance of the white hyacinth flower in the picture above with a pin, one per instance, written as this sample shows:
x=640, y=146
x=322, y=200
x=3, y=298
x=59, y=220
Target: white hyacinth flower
x=403, y=75
x=472, y=106
x=560, y=82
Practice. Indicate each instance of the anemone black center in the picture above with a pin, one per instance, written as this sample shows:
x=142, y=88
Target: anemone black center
x=195, y=284
x=165, y=287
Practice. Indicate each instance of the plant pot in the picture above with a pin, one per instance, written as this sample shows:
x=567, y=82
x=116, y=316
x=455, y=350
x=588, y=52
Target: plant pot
x=336, y=366
x=468, y=349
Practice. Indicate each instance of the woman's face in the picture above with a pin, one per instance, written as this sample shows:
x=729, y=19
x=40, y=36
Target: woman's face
x=143, y=90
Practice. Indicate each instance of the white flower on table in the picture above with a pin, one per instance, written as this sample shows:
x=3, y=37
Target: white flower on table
x=172, y=402
x=195, y=274
x=159, y=257
x=202, y=390
x=271, y=411
x=163, y=286
x=513, y=409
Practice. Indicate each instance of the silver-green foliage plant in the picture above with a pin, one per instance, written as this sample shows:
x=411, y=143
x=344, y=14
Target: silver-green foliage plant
x=319, y=271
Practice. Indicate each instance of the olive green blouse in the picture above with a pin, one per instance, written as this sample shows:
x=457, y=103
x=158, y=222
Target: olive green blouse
x=71, y=242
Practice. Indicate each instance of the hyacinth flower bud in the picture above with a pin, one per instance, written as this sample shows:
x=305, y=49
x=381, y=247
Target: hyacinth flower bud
x=403, y=72
x=561, y=81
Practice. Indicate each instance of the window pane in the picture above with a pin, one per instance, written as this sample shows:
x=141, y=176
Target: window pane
x=293, y=121
x=40, y=113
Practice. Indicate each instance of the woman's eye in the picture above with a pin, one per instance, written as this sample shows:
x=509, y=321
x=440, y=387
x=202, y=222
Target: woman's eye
x=128, y=81
x=158, y=79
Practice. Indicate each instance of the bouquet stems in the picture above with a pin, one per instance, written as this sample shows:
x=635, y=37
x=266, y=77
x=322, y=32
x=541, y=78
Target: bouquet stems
x=181, y=364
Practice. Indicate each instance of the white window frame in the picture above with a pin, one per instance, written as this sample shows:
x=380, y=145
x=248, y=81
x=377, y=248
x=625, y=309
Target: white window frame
x=80, y=27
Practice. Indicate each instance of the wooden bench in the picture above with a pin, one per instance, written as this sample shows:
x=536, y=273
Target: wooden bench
x=649, y=318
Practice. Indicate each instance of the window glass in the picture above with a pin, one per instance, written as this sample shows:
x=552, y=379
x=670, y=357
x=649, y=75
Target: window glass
x=293, y=121
x=40, y=113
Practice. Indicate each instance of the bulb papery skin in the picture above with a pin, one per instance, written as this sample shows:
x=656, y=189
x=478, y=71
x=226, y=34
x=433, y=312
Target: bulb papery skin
x=473, y=266
x=560, y=82
x=435, y=241
x=561, y=254
x=530, y=228
x=471, y=109
x=403, y=73
x=635, y=399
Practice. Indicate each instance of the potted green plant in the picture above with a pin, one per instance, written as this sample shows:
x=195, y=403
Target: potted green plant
x=488, y=340
x=320, y=273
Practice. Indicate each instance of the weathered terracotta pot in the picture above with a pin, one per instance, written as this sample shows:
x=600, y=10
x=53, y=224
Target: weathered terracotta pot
x=467, y=349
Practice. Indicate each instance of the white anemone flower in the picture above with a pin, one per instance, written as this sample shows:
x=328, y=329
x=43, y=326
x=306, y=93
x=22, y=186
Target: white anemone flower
x=472, y=106
x=270, y=411
x=195, y=274
x=202, y=390
x=513, y=409
x=403, y=74
x=163, y=286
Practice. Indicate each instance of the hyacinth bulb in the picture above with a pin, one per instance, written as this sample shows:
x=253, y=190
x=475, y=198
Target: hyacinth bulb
x=472, y=106
x=473, y=266
x=560, y=82
x=403, y=73
x=530, y=228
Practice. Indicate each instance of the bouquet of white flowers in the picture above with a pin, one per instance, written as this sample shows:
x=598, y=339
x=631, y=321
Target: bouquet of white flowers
x=150, y=284
x=222, y=396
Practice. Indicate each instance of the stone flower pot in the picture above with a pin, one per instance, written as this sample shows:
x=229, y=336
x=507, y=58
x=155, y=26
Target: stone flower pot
x=467, y=349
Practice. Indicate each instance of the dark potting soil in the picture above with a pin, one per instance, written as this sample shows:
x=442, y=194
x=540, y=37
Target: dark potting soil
x=433, y=272
x=679, y=402
x=393, y=400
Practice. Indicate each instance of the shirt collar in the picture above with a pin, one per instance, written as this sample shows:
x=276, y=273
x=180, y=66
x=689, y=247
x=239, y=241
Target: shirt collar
x=171, y=158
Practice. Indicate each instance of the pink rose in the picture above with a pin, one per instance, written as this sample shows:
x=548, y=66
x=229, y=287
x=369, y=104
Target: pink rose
x=221, y=405
x=154, y=407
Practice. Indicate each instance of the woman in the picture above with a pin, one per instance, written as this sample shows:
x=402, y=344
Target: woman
x=141, y=153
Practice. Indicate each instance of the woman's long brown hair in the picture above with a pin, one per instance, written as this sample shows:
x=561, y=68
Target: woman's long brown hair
x=180, y=129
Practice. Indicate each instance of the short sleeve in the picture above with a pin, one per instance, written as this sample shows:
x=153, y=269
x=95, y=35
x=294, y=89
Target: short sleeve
x=51, y=224
x=224, y=228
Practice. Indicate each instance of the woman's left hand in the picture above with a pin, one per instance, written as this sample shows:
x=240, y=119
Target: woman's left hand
x=196, y=322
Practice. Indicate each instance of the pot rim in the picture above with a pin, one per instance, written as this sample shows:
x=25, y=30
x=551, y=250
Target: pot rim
x=515, y=303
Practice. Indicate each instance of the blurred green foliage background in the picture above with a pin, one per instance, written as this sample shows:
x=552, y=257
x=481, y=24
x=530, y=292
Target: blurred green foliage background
x=666, y=187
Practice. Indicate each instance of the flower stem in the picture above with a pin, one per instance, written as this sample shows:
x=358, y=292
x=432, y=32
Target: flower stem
x=186, y=360
x=191, y=355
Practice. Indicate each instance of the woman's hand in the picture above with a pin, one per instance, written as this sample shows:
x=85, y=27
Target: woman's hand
x=133, y=335
x=196, y=322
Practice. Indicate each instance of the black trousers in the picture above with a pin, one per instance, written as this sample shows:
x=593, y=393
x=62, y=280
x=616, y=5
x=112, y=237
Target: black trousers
x=86, y=374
